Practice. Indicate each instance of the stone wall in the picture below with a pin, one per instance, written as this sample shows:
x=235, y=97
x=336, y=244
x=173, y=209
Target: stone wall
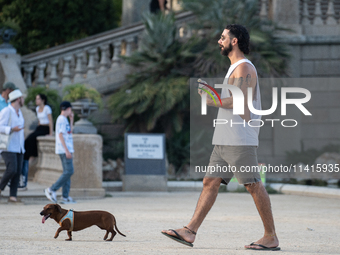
x=316, y=131
x=87, y=178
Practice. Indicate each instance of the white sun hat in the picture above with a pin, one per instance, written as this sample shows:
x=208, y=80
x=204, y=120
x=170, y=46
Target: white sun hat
x=14, y=95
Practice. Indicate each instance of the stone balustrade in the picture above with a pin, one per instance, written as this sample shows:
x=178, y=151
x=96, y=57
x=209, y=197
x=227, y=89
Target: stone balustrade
x=320, y=17
x=306, y=17
x=320, y=12
x=94, y=60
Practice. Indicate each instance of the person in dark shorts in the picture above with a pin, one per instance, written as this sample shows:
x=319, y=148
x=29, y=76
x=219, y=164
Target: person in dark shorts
x=235, y=146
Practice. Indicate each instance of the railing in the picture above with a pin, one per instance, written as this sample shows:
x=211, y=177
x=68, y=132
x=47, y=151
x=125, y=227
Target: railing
x=95, y=59
x=319, y=12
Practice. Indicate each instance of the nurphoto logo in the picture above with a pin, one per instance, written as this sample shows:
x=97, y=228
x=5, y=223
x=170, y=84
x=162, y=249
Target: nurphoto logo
x=238, y=103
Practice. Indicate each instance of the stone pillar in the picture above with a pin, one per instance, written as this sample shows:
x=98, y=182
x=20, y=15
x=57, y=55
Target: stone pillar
x=305, y=14
x=78, y=77
x=287, y=14
x=66, y=80
x=133, y=11
x=116, y=54
x=41, y=74
x=91, y=66
x=28, y=75
x=54, y=76
x=331, y=14
x=103, y=59
x=317, y=13
x=86, y=182
x=129, y=42
x=263, y=11
x=10, y=65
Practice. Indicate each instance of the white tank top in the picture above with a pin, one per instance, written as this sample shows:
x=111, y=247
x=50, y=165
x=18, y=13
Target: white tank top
x=239, y=134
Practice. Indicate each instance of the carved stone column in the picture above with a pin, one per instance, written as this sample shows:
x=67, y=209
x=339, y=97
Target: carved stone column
x=116, y=54
x=330, y=14
x=78, y=77
x=305, y=13
x=287, y=14
x=91, y=66
x=41, y=74
x=28, y=75
x=66, y=80
x=263, y=12
x=129, y=42
x=103, y=60
x=317, y=13
x=54, y=76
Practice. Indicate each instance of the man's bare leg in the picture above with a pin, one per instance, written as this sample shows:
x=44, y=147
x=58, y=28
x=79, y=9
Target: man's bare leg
x=204, y=204
x=262, y=202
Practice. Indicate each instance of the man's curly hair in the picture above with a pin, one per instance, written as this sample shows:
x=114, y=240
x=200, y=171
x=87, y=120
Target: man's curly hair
x=242, y=35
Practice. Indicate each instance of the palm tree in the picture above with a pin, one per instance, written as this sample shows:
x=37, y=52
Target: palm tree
x=268, y=52
x=155, y=97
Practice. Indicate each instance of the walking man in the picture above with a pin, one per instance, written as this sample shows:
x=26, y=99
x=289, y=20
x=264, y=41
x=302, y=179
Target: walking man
x=63, y=147
x=234, y=145
x=12, y=124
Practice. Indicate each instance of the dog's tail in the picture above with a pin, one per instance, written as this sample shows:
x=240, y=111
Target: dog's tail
x=118, y=229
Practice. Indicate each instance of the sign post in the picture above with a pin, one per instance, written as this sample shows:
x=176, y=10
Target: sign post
x=144, y=162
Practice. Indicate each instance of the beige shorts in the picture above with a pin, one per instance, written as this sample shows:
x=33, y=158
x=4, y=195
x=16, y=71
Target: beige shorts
x=239, y=161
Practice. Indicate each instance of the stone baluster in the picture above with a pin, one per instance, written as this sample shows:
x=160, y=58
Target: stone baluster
x=330, y=14
x=263, y=11
x=66, y=80
x=60, y=67
x=116, y=54
x=129, y=42
x=48, y=74
x=54, y=75
x=28, y=75
x=103, y=61
x=317, y=13
x=41, y=74
x=84, y=62
x=139, y=42
x=78, y=77
x=305, y=13
x=180, y=30
x=72, y=65
x=91, y=66
x=188, y=31
x=96, y=60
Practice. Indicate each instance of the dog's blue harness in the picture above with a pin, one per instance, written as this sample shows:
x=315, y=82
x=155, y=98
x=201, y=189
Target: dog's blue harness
x=69, y=215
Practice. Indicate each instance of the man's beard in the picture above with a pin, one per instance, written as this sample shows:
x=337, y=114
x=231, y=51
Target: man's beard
x=226, y=51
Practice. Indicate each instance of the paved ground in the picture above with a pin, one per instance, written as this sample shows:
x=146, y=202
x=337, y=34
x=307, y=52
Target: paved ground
x=232, y=223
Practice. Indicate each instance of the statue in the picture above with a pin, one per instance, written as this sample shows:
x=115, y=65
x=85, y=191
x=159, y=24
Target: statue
x=6, y=35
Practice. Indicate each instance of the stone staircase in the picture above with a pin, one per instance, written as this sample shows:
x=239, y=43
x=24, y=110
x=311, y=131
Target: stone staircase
x=94, y=60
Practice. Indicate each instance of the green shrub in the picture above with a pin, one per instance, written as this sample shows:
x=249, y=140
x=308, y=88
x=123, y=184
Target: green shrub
x=80, y=91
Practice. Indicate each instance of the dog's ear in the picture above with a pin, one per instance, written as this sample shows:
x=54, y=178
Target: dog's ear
x=58, y=208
